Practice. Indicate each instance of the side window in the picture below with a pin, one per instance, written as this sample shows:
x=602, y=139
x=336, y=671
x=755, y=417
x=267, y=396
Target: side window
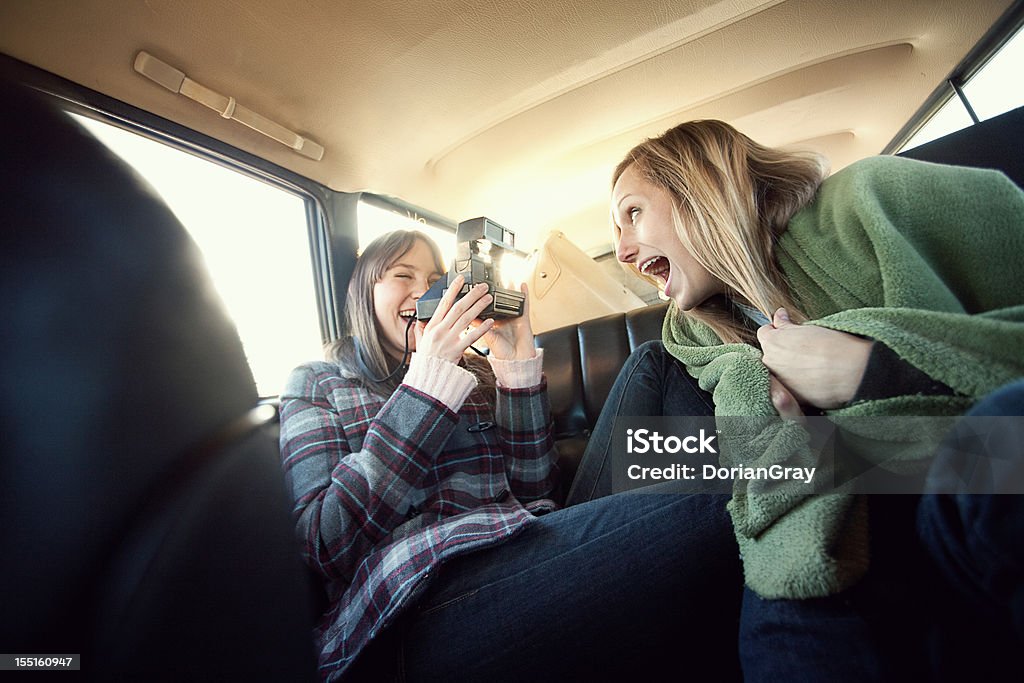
x=993, y=90
x=374, y=221
x=254, y=240
x=996, y=87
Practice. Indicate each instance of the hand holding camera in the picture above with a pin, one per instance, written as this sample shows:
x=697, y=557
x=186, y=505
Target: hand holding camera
x=480, y=244
x=470, y=291
x=442, y=336
x=512, y=338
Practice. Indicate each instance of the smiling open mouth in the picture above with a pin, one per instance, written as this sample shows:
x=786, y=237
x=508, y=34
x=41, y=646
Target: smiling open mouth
x=657, y=266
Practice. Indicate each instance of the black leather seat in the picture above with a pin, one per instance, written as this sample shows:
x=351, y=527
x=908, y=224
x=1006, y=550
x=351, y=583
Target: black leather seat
x=581, y=363
x=143, y=516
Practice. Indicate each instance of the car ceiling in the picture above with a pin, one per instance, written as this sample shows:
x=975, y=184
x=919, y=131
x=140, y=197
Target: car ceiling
x=517, y=110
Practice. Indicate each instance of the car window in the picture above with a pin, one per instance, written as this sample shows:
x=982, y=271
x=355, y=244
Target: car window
x=993, y=90
x=373, y=221
x=996, y=88
x=254, y=240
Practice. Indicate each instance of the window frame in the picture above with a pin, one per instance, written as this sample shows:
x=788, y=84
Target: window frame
x=434, y=220
x=951, y=87
x=321, y=204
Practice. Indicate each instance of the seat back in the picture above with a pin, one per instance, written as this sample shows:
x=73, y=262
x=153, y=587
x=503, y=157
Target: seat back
x=994, y=143
x=144, y=521
x=581, y=362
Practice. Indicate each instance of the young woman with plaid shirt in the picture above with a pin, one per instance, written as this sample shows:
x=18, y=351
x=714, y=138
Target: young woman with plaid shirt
x=420, y=499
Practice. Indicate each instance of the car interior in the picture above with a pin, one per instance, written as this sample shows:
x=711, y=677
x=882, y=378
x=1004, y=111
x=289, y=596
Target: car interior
x=124, y=512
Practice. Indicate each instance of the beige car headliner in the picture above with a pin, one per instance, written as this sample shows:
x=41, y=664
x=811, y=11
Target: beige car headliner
x=519, y=109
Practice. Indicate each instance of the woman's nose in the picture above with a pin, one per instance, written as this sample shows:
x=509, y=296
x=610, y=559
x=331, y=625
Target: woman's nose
x=420, y=289
x=625, y=251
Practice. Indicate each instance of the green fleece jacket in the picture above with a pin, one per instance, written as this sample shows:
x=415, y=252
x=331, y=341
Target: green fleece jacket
x=925, y=258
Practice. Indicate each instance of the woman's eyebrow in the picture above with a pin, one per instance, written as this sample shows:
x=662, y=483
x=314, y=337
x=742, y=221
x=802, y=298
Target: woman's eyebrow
x=622, y=199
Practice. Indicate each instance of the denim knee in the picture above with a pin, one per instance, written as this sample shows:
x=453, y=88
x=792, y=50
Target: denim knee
x=1006, y=401
x=974, y=538
x=651, y=354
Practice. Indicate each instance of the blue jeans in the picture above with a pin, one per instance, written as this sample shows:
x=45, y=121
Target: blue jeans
x=651, y=383
x=622, y=588
x=870, y=632
x=938, y=562
x=977, y=542
x=840, y=637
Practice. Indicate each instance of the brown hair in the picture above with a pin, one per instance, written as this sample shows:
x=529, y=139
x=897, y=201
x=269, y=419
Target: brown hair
x=360, y=353
x=732, y=200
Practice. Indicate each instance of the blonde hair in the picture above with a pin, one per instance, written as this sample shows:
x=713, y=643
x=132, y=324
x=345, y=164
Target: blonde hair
x=732, y=200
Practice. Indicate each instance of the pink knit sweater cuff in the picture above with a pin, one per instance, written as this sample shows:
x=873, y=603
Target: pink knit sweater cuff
x=518, y=374
x=442, y=379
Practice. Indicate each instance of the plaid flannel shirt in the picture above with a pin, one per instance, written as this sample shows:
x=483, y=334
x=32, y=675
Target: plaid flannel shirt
x=387, y=490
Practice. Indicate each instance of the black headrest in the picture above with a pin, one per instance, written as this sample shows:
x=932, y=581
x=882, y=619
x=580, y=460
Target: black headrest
x=117, y=362
x=994, y=143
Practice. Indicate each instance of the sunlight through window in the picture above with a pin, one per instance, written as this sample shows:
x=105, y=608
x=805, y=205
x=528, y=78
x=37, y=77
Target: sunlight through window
x=254, y=240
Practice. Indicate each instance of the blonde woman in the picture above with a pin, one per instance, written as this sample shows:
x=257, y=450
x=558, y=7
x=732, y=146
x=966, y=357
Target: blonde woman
x=892, y=288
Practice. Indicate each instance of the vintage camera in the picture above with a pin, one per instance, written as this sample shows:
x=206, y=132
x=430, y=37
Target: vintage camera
x=481, y=244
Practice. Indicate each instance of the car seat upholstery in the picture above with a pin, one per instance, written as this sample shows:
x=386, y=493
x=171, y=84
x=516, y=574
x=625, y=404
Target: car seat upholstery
x=143, y=518
x=581, y=362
